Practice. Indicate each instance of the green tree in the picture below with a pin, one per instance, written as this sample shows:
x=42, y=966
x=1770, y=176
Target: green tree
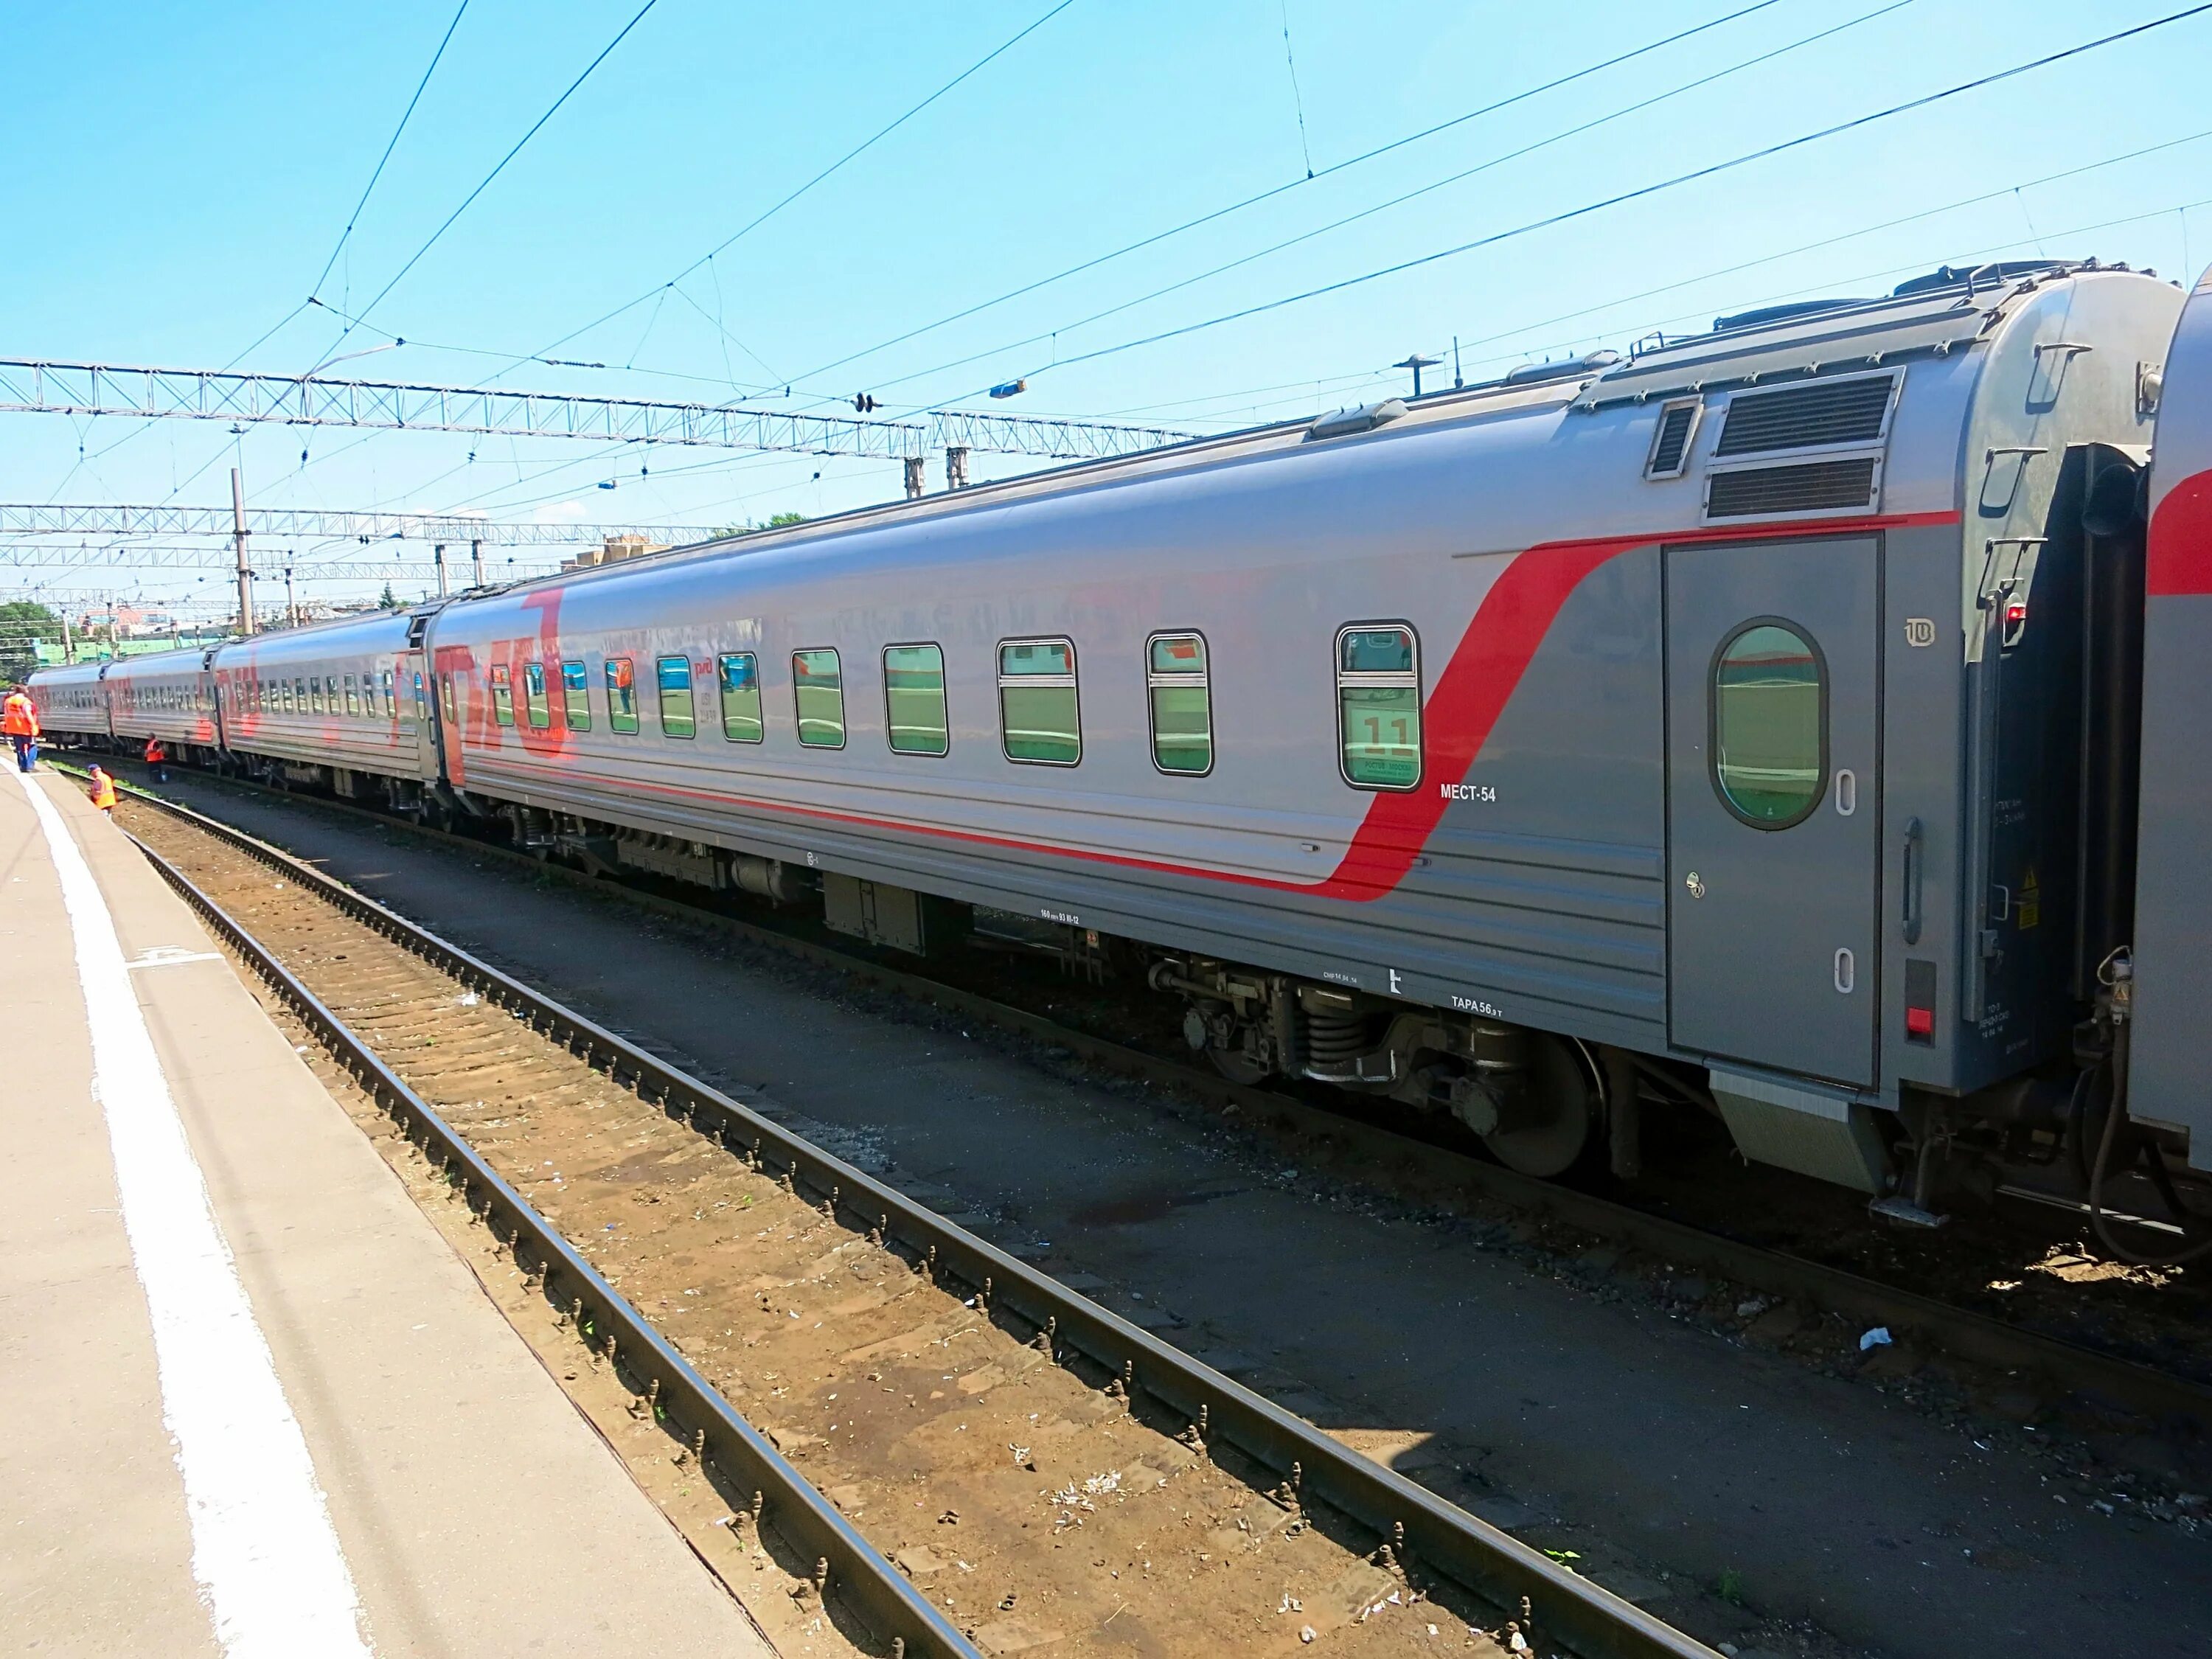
x=388, y=600
x=752, y=526
x=22, y=625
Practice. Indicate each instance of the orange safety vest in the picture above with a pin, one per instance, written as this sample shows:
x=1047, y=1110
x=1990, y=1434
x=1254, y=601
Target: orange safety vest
x=156, y=751
x=19, y=716
x=103, y=789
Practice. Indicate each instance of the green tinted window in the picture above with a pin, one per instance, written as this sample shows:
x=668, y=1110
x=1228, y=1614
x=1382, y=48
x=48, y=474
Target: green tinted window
x=820, y=690
x=622, y=694
x=677, y=717
x=1182, y=706
x=1770, y=741
x=503, y=696
x=537, y=707
x=576, y=697
x=913, y=700
x=1378, y=704
x=738, y=673
x=1041, y=721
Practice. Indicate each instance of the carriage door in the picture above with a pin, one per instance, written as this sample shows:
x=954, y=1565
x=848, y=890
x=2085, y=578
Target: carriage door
x=1773, y=803
x=418, y=713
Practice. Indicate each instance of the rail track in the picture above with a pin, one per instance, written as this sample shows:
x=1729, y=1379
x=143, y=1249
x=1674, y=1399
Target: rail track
x=883, y=1392
x=1937, y=1326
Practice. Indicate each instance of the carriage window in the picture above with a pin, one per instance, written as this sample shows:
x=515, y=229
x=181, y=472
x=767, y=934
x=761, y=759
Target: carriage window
x=677, y=717
x=738, y=672
x=576, y=697
x=422, y=708
x=622, y=694
x=1039, y=719
x=1378, y=704
x=1770, y=739
x=818, y=688
x=502, y=694
x=390, y=704
x=446, y=697
x=315, y=694
x=913, y=700
x=537, y=707
x=353, y=696
x=1182, y=707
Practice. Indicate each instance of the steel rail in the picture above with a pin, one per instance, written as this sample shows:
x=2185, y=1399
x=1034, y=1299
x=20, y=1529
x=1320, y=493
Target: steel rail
x=1960, y=1332
x=900, y=1615
x=1415, y=1525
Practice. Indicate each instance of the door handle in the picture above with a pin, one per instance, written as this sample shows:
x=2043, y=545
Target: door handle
x=1911, y=881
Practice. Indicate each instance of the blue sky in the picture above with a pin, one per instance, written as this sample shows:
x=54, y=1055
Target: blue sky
x=178, y=176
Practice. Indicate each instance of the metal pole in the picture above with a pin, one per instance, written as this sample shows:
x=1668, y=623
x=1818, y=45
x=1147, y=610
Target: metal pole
x=441, y=570
x=476, y=553
x=68, y=644
x=913, y=479
x=291, y=597
x=245, y=570
x=1456, y=381
x=956, y=467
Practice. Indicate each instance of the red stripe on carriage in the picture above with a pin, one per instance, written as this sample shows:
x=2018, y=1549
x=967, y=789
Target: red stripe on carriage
x=2179, y=560
x=1486, y=668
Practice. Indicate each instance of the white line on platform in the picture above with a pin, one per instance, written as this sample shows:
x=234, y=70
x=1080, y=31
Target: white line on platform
x=265, y=1553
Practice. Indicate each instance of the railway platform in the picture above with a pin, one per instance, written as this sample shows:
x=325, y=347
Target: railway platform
x=256, y=1404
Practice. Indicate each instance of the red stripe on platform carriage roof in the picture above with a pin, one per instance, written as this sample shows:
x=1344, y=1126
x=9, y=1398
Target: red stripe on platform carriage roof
x=1486, y=667
x=2179, y=558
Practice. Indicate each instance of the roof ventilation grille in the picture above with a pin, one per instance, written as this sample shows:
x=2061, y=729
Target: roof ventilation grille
x=1343, y=423
x=1670, y=444
x=1764, y=492
x=1824, y=412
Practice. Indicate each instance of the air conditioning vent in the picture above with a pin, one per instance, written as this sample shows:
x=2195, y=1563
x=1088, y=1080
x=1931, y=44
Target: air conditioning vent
x=1670, y=444
x=1853, y=411
x=1765, y=492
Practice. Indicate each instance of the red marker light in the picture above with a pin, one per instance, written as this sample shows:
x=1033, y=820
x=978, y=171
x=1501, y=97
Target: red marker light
x=1920, y=1022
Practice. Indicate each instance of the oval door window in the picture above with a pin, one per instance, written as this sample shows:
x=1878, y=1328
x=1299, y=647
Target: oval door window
x=1770, y=724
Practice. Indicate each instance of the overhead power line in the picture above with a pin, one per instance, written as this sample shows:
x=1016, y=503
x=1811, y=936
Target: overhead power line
x=265, y=562
x=353, y=217
x=31, y=386
x=21, y=518
x=756, y=222
x=1641, y=192
x=485, y=182
x=1287, y=186
x=1418, y=191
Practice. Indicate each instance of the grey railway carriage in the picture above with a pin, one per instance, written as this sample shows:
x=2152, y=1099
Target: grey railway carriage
x=1746, y=722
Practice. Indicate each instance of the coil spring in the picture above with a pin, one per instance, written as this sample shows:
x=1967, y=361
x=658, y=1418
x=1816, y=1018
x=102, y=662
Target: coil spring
x=1333, y=1040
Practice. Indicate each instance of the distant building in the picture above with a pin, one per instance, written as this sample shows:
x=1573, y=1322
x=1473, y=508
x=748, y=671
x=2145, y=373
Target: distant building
x=617, y=549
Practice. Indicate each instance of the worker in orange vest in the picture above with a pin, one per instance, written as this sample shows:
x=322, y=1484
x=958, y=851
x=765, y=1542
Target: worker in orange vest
x=157, y=758
x=19, y=720
x=103, y=790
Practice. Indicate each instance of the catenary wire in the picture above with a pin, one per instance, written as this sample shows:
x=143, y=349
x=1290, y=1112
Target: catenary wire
x=1269, y=194
x=354, y=218
x=1400, y=200
x=414, y=258
x=850, y=154
x=518, y=360
x=1639, y=193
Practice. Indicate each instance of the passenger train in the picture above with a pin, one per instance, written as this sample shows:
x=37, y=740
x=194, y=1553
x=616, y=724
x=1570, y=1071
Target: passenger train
x=1754, y=721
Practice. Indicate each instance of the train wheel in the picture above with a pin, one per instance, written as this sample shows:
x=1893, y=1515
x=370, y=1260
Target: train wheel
x=1563, y=1087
